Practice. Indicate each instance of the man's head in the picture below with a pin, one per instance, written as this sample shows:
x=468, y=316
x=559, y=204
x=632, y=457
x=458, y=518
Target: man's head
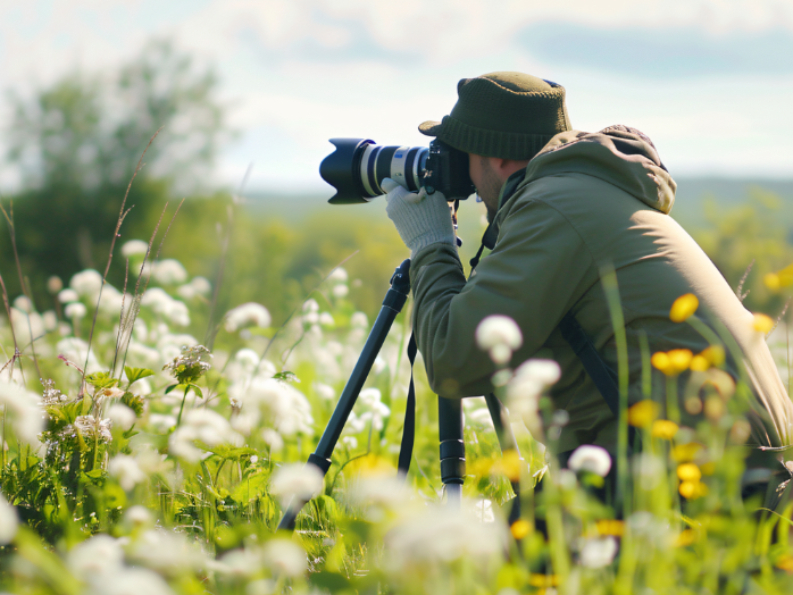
x=502, y=115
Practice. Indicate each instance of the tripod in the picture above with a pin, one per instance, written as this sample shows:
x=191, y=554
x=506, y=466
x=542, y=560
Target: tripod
x=450, y=418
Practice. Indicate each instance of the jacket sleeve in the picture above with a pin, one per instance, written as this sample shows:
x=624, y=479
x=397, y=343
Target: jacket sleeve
x=537, y=270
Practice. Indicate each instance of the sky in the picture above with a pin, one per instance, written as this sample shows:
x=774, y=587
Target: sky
x=710, y=81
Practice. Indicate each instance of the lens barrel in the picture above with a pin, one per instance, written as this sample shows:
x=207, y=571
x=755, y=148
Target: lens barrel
x=357, y=168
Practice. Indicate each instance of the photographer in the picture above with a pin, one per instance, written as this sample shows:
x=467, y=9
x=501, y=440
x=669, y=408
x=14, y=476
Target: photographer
x=562, y=205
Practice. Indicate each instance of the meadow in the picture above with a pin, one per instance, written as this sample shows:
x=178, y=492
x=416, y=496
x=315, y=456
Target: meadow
x=156, y=426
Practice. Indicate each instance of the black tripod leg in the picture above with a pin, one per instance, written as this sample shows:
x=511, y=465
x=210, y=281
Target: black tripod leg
x=450, y=425
x=392, y=305
x=506, y=440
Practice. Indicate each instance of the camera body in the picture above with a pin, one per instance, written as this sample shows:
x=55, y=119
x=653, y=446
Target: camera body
x=357, y=168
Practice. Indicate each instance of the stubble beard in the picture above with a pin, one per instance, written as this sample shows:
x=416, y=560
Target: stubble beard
x=491, y=188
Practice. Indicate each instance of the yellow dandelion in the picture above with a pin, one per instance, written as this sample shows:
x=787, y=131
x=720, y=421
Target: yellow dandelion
x=699, y=363
x=663, y=428
x=543, y=581
x=684, y=453
x=509, y=465
x=611, y=527
x=762, y=323
x=520, y=529
x=785, y=562
x=683, y=307
x=686, y=537
x=680, y=359
x=689, y=472
x=691, y=490
x=660, y=361
x=714, y=354
x=643, y=413
x=772, y=281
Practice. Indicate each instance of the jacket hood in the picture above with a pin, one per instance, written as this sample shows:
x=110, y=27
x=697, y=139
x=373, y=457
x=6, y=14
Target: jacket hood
x=619, y=155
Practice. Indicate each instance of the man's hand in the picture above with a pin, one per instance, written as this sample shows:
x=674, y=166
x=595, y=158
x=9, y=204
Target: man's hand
x=420, y=218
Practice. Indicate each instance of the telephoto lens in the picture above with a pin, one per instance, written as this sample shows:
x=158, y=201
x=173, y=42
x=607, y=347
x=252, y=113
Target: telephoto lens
x=357, y=168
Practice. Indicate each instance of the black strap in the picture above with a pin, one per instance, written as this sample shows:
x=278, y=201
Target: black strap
x=409, y=429
x=601, y=374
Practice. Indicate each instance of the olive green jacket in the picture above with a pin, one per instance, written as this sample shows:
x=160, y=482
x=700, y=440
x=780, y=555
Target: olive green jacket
x=585, y=202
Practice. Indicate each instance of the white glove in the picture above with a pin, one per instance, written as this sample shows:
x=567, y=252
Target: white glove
x=420, y=218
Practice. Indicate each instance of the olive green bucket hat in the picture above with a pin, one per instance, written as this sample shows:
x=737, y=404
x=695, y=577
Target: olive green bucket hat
x=503, y=114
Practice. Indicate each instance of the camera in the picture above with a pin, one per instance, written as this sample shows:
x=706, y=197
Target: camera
x=357, y=168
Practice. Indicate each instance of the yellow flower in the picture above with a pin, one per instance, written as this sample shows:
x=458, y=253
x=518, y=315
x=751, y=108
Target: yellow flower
x=510, y=465
x=714, y=354
x=762, y=323
x=520, y=529
x=663, y=428
x=699, y=363
x=689, y=472
x=543, y=580
x=642, y=413
x=772, y=281
x=672, y=362
x=683, y=453
x=785, y=562
x=683, y=307
x=691, y=490
x=611, y=527
x=686, y=537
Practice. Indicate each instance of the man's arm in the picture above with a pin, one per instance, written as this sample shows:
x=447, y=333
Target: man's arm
x=537, y=270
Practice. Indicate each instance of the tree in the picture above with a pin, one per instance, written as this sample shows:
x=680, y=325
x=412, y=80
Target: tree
x=77, y=144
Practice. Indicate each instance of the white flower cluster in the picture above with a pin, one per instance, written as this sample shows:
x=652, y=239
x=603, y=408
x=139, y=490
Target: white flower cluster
x=266, y=403
x=500, y=337
x=524, y=390
x=370, y=410
x=21, y=410
x=159, y=302
x=339, y=279
x=205, y=427
x=250, y=314
x=301, y=482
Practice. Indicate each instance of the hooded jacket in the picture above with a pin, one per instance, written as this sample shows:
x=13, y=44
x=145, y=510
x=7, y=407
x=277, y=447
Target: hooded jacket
x=586, y=204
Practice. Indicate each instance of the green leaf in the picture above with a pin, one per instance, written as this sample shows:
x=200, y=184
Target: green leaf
x=173, y=386
x=135, y=374
x=287, y=376
x=134, y=402
x=197, y=390
x=101, y=380
x=251, y=487
x=330, y=581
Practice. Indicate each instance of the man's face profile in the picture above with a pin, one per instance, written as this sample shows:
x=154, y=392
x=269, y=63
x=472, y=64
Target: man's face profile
x=486, y=179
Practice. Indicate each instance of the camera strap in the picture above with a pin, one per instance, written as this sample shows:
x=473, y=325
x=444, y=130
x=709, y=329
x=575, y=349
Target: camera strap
x=409, y=429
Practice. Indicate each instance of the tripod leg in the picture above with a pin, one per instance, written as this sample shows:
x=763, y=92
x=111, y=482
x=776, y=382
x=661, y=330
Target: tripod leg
x=392, y=305
x=506, y=440
x=450, y=425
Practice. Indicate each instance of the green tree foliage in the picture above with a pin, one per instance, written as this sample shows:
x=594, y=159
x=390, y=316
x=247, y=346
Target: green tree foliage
x=78, y=142
x=757, y=233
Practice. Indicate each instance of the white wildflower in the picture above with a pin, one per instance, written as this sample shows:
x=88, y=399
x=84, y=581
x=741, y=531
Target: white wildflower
x=340, y=290
x=499, y=336
x=121, y=416
x=67, y=296
x=163, y=304
x=134, y=248
x=170, y=345
x=54, y=284
x=50, y=320
x=90, y=427
x=296, y=480
x=326, y=319
x=8, y=521
x=87, y=284
x=51, y=395
x=241, y=563
x=338, y=275
x=138, y=516
x=359, y=320
x=96, y=558
x=438, y=535
x=285, y=557
x=594, y=459
x=250, y=314
x=310, y=312
x=134, y=581
x=526, y=387
x=161, y=422
x=21, y=411
x=169, y=272
x=201, y=285
x=126, y=470
x=273, y=439
x=75, y=350
x=75, y=311
x=24, y=304
x=599, y=552
x=324, y=391
x=26, y=326
x=204, y=426
x=167, y=552
x=274, y=402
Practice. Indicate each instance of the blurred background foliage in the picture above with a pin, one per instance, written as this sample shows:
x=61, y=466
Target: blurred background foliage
x=78, y=142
